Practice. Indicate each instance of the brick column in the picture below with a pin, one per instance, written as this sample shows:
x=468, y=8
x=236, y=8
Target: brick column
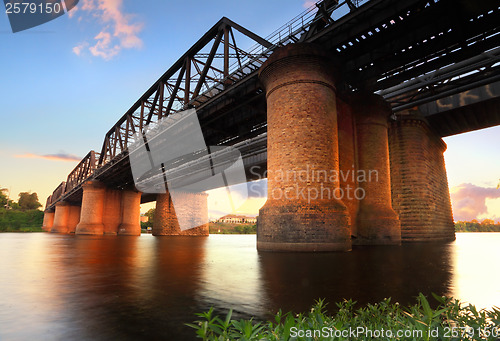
x=61, y=218
x=73, y=218
x=112, y=217
x=48, y=220
x=131, y=213
x=92, y=209
x=190, y=206
x=165, y=221
x=348, y=161
x=302, y=212
x=420, y=191
x=377, y=222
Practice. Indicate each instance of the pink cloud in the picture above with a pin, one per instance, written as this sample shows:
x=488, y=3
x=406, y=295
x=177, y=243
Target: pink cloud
x=53, y=157
x=72, y=13
x=88, y=5
x=79, y=48
x=308, y=3
x=104, y=47
x=118, y=32
x=469, y=201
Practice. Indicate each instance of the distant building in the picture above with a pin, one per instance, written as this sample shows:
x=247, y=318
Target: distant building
x=237, y=219
x=144, y=218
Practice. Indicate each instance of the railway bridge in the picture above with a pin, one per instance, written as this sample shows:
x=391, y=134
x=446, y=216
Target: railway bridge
x=348, y=97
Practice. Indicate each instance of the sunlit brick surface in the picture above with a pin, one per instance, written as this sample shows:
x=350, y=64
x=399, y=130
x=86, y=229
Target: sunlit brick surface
x=302, y=137
x=420, y=193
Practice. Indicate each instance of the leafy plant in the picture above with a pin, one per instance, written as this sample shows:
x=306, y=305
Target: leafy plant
x=450, y=320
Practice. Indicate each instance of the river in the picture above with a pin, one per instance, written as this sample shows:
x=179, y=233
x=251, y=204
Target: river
x=66, y=287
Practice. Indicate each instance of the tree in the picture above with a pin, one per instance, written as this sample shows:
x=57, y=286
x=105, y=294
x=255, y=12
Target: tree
x=3, y=197
x=28, y=201
x=151, y=217
x=13, y=205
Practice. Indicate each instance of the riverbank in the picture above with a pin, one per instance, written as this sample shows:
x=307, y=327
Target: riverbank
x=232, y=228
x=449, y=320
x=23, y=229
x=214, y=228
x=225, y=228
x=475, y=226
x=17, y=220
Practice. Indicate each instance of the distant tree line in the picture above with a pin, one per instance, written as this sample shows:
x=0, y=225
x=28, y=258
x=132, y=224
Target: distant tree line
x=232, y=228
x=214, y=228
x=23, y=215
x=151, y=215
x=487, y=225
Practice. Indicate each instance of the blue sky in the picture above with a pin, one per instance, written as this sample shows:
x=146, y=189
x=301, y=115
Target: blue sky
x=65, y=83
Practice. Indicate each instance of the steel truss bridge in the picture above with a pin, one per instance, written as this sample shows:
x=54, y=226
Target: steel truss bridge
x=412, y=52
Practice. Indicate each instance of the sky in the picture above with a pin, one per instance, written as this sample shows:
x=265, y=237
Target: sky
x=65, y=83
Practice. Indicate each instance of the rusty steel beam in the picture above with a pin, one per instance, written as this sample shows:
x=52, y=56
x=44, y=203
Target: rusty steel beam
x=176, y=87
x=181, y=71
x=203, y=75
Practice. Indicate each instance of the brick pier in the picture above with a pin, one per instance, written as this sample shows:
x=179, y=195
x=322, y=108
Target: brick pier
x=420, y=193
x=301, y=212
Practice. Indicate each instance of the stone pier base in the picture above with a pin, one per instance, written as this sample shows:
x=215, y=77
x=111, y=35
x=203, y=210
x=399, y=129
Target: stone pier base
x=192, y=209
x=73, y=218
x=420, y=193
x=48, y=220
x=91, y=219
x=112, y=215
x=377, y=222
x=301, y=212
x=284, y=226
x=61, y=218
x=131, y=211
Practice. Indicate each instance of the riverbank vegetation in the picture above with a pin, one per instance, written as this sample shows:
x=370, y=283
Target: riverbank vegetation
x=386, y=320
x=214, y=228
x=232, y=228
x=487, y=225
x=20, y=216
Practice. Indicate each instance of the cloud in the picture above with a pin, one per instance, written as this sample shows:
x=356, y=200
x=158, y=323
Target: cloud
x=308, y=3
x=118, y=32
x=88, y=5
x=79, y=48
x=471, y=202
x=104, y=47
x=53, y=157
x=72, y=13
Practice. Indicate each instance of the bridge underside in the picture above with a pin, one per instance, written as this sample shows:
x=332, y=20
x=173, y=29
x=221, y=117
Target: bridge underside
x=467, y=118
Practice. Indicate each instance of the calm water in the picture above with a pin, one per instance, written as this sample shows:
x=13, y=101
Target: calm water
x=59, y=287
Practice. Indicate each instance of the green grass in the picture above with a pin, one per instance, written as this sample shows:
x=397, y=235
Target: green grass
x=450, y=320
x=22, y=229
